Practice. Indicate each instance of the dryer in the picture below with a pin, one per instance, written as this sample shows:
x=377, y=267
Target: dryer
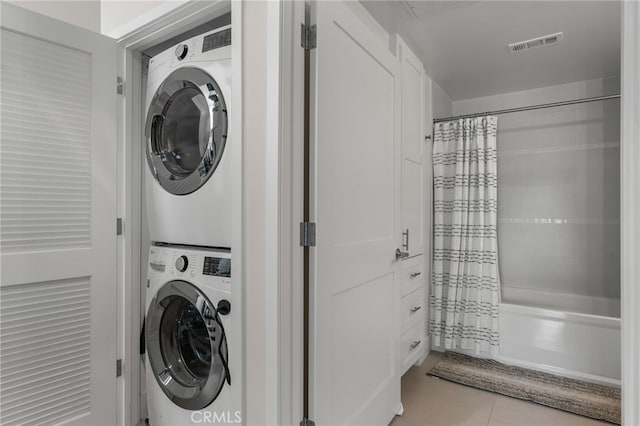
x=189, y=310
x=188, y=178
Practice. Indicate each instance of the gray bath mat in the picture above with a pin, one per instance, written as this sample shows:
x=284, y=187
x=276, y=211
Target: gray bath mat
x=576, y=396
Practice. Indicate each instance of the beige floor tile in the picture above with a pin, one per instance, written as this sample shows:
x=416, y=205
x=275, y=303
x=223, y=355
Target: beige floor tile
x=402, y=421
x=419, y=372
x=512, y=411
x=429, y=362
x=432, y=401
x=429, y=401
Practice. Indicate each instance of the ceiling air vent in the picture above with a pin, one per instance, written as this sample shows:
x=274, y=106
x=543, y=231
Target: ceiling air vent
x=535, y=42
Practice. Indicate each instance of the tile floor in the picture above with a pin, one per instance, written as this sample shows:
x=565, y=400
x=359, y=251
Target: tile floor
x=430, y=401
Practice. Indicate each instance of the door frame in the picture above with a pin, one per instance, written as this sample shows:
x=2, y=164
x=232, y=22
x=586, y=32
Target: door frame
x=284, y=213
x=132, y=40
x=630, y=212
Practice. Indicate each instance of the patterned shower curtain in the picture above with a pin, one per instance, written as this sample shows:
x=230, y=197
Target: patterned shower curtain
x=465, y=291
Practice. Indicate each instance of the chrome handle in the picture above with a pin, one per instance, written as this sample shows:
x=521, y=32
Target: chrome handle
x=405, y=236
x=415, y=344
x=415, y=274
x=401, y=254
x=415, y=309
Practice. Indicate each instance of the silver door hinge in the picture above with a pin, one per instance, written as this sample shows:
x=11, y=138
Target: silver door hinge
x=120, y=85
x=308, y=234
x=118, y=367
x=119, y=226
x=308, y=37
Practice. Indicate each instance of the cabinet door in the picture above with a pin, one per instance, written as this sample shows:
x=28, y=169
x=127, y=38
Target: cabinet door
x=355, y=196
x=413, y=143
x=412, y=106
x=57, y=214
x=413, y=207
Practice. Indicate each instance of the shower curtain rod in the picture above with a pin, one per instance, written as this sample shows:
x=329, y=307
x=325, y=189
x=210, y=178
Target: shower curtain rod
x=529, y=108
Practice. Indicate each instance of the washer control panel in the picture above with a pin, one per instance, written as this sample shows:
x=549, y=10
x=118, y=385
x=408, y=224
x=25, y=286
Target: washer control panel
x=211, y=266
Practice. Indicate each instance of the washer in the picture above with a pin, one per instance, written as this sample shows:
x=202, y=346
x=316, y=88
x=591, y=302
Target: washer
x=188, y=181
x=189, y=369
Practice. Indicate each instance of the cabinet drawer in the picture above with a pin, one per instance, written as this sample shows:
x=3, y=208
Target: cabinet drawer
x=413, y=342
x=413, y=309
x=412, y=275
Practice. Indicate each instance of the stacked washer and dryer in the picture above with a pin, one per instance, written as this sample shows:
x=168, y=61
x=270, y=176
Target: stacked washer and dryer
x=188, y=194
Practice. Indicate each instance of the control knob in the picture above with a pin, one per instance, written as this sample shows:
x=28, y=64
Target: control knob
x=181, y=51
x=182, y=263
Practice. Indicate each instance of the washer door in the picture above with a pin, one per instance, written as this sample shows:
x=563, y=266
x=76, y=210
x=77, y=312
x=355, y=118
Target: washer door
x=186, y=130
x=186, y=345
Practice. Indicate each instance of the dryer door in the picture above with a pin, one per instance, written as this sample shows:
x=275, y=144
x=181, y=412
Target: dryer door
x=186, y=345
x=186, y=130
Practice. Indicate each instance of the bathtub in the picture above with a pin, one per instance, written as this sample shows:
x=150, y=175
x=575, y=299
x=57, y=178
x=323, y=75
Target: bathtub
x=584, y=344
x=572, y=344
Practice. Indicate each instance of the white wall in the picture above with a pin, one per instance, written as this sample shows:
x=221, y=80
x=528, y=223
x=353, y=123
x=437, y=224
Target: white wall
x=559, y=184
x=116, y=13
x=85, y=13
x=442, y=104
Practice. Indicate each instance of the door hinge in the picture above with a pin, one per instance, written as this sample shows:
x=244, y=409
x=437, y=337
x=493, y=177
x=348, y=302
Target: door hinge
x=118, y=367
x=307, y=422
x=120, y=85
x=308, y=37
x=308, y=234
x=119, y=226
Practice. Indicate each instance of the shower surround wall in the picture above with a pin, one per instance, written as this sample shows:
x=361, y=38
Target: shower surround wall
x=559, y=228
x=558, y=192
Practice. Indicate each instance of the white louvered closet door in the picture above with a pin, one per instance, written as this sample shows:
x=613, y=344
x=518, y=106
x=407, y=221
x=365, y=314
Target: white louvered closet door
x=57, y=222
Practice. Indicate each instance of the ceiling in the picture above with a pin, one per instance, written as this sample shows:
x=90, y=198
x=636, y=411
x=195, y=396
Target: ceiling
x=463, y=44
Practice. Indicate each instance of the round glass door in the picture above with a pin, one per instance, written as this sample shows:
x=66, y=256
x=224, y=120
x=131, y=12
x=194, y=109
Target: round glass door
x=186, y=130
x=186, y=345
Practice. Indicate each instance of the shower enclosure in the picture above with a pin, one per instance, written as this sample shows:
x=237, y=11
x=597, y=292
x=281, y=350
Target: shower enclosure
x=559, y=228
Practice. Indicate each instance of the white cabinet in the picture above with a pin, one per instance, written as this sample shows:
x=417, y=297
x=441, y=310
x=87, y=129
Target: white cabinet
x=413, y=146
x=413, y=313
x=415, y=114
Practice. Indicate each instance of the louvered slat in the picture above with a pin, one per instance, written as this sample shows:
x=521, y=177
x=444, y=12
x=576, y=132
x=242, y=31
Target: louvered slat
x=45, y=151
x=45, y=351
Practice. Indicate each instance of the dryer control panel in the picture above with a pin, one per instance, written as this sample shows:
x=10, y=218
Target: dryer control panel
x=216, y=40
x=217, y=266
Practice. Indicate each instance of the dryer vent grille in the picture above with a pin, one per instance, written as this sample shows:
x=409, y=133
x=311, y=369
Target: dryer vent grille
x=535, y=42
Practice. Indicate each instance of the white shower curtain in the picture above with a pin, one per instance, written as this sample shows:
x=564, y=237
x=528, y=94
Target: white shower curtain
x=465, y=293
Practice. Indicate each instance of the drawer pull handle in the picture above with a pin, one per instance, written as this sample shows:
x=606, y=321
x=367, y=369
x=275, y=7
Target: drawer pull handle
x=415, y=274
x=415, y=344
x=415, y=309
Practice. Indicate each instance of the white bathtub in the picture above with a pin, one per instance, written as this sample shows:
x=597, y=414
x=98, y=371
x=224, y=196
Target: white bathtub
x=577, y=345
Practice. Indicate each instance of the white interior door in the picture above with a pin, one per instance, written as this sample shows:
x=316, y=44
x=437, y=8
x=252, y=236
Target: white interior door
x=355, y=174
x=57, y=222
